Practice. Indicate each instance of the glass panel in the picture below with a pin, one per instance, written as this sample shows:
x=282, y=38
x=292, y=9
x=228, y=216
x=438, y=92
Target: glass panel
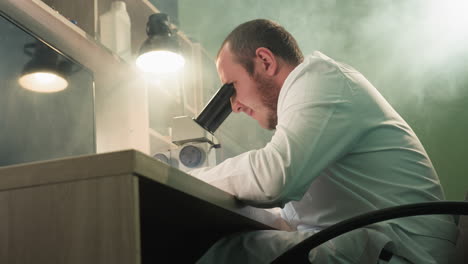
x=164, y=103
x=39, y=126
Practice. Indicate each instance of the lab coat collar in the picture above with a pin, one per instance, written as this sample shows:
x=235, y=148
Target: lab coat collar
x=294, y=74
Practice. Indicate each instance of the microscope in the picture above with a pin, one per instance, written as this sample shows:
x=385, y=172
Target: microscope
x=197, y=145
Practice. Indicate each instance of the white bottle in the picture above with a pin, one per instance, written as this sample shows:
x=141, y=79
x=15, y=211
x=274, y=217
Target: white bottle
x=115, y=30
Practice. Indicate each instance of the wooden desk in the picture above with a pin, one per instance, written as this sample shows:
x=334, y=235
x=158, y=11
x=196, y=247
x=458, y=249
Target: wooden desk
x=120, y=207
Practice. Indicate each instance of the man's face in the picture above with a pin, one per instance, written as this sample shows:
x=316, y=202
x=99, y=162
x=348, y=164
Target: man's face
x=255, y=95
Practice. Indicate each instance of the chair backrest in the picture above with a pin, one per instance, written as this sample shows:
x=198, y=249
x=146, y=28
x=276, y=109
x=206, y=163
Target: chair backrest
x=299, y=253
x=462, y=242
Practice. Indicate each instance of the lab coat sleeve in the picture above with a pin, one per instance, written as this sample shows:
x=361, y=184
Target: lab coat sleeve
x=316, y=126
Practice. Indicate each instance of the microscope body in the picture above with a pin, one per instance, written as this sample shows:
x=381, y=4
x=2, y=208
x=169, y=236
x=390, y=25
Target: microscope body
x=196, y=144
x=196, y=147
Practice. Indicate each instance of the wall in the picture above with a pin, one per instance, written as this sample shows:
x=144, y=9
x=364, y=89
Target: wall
x=415, y=52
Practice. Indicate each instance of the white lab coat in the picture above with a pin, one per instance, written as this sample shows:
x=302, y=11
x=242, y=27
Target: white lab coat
x=339, y=150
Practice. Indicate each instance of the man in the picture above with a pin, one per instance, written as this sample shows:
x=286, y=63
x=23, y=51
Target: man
x=339, y=150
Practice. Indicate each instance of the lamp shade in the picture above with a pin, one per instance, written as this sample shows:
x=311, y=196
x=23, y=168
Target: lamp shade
x=160, y=53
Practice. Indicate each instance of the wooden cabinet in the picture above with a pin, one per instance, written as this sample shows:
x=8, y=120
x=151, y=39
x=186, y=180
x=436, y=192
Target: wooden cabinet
x=120, y=207
x=122, y=108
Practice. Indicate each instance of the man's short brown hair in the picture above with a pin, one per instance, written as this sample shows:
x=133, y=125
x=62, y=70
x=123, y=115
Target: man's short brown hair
x=246, y=38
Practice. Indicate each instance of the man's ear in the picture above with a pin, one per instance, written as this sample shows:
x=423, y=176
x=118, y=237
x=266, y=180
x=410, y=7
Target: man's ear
x=267, y=60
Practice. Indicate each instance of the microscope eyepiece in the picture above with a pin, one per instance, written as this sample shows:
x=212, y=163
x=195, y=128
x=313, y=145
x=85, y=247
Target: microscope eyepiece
x=217, y=109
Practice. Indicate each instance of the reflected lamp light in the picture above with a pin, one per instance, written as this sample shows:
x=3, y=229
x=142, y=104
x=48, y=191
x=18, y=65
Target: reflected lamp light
x=45, y=72
x=160, y=53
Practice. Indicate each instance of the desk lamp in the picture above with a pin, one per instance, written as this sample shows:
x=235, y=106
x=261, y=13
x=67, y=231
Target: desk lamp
x=160, y=52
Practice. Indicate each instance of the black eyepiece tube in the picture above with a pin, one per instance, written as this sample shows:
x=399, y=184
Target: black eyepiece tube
x=217, y=109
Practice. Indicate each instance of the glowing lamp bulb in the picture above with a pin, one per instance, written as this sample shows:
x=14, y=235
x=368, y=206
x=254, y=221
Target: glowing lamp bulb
x=160, y=62
x=43, y=82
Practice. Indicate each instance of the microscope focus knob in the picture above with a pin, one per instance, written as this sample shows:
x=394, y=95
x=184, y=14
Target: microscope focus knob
x=191, y=156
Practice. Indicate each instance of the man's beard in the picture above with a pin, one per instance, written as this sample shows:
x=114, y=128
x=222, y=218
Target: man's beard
x=269, y=94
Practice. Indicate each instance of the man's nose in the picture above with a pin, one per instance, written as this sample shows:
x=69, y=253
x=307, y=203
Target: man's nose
x=236, y=105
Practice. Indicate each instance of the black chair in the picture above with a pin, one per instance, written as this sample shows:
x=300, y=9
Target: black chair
x=300, y=252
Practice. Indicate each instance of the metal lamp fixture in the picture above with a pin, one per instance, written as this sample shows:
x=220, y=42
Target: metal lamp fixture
x=45, y=72
x=160, y=52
